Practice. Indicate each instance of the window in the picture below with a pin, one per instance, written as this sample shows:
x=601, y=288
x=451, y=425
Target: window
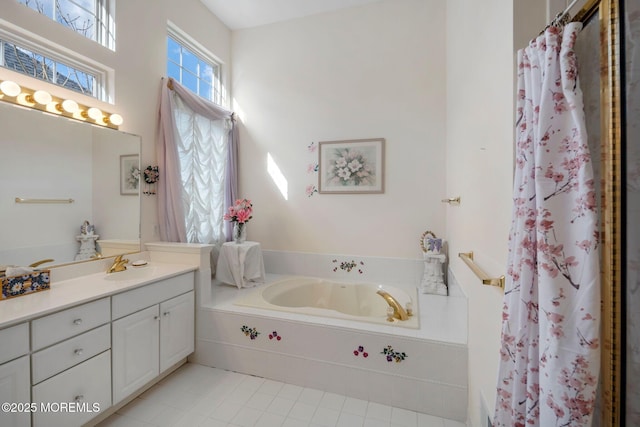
x=86, y=17
x=192, y=70
x=31, y=63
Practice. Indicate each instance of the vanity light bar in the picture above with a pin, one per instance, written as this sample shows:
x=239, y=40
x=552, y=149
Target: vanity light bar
x=41, y=100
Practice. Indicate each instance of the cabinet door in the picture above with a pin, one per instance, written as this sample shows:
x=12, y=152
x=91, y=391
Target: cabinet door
x=15, y=388
x=177, y=333
x=135, y=348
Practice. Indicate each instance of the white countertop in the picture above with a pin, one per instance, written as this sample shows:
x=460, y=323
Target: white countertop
x=71, y=292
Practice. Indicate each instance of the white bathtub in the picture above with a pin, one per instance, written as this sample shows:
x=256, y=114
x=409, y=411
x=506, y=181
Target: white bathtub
x=321, y=297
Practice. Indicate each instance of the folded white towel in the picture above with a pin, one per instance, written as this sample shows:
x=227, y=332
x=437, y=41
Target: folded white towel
x=18, y=271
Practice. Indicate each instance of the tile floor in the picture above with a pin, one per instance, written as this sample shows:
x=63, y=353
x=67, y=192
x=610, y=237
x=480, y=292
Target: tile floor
x=197, y=395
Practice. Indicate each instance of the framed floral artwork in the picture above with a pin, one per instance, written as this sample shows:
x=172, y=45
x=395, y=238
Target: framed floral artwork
x=129, y=174
x=350, y=167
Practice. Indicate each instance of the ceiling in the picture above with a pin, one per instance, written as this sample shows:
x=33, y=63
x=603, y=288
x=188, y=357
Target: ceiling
x=239, y=14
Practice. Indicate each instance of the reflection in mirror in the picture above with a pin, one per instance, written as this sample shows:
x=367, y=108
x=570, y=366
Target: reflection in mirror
x=53, y=159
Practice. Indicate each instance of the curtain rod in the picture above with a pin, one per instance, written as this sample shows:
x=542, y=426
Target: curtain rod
x=561, y=18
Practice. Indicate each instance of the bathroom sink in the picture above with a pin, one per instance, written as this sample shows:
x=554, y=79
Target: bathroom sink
x=131, y=273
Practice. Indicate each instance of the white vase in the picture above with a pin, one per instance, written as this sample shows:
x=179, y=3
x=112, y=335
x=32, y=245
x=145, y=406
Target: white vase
x=239, y=232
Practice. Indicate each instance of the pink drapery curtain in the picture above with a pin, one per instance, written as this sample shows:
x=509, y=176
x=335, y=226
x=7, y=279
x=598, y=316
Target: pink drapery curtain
x=550, y=350
x=170, y=193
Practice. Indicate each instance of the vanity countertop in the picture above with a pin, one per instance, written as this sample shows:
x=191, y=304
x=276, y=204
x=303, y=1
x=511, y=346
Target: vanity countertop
x=71, y=292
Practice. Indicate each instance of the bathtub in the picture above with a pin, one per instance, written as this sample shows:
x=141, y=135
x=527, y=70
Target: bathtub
x=321, y=297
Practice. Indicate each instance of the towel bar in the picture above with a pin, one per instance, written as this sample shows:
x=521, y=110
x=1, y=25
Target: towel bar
x=467, y=257
x=22, y=200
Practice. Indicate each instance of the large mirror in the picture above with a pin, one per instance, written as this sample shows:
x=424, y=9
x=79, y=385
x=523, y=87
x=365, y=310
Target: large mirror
x=65, y=172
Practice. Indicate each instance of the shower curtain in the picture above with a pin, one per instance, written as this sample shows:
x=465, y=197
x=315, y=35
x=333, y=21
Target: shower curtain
x=550, y=348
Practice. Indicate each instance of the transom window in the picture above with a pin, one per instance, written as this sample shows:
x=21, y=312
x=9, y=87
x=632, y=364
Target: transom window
x=89, y=18
x=192, y=70
x=25, y=61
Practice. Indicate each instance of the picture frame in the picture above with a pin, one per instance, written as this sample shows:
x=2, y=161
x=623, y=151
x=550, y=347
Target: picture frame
x=351, y=167
x=129, y=174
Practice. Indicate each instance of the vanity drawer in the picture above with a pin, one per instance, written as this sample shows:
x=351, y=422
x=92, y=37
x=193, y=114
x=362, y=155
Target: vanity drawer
x=87, y=386
x=14, y=342
x=50, y=361
x=146, y=296
x=67, y=323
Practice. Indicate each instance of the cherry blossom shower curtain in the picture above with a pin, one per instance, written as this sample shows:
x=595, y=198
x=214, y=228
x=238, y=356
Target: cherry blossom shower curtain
x=550, y=355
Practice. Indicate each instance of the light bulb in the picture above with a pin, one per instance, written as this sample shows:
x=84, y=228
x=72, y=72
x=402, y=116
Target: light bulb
x=10, y=88
x=94, y=113
x=70, y=106
x=116, y=119
x=42, y=97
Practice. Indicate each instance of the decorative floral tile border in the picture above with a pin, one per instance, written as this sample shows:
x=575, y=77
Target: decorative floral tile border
x=360, y=351
x=387, y=352
x=274, y=335
x=250, y=332
x=393, y=355
x=348, y=266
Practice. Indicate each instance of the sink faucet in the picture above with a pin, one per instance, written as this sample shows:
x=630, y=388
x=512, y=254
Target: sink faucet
x=42, y=261
x=398, y=312
x=119, y=264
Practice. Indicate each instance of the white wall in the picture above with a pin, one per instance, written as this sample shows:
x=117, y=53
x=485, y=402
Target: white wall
x=481, y=41
x=137, y=64
x=375, y=71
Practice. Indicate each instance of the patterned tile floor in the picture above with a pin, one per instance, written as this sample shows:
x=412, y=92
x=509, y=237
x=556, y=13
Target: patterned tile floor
x=197, y=395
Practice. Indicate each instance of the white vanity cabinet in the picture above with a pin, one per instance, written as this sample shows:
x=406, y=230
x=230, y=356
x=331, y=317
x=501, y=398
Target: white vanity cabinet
x=15, y=380
x=68, y=354
x=152, y=329
x=71, y=364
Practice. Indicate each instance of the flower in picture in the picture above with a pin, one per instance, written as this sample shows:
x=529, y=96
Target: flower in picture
x=133, y=178
x=350, y=167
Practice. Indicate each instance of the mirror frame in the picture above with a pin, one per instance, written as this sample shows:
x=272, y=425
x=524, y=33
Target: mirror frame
x=612, y=369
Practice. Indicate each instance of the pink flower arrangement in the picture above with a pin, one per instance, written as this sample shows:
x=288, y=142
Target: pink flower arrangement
x=240, y=212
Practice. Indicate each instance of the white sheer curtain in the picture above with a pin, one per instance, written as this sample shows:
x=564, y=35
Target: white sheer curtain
x=202, y=149
x=197, y=155
x=550, y=354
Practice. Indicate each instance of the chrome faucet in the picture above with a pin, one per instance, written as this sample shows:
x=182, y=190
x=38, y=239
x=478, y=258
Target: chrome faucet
x=119, y=264
x=398, y=312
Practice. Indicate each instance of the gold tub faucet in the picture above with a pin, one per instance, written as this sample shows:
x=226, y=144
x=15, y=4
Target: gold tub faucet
x=119, y=264
x=398, y=312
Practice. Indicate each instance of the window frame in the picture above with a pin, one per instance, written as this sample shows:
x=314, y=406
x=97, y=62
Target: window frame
x=104, y=31
x=202, y=54
x=100, y=90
